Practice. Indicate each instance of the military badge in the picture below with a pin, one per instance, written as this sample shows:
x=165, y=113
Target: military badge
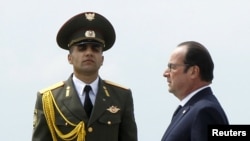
x=90, y=33
x=113, y=109
x=90, y=16
x=106, y=91
x=67, y=91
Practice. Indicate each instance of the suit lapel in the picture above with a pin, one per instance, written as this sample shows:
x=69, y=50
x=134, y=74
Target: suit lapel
x=101, y=103
x=72, y=102
x=179, y=115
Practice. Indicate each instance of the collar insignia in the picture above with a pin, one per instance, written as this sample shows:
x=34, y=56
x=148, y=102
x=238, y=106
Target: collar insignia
x=113, y=109
x=90, y=16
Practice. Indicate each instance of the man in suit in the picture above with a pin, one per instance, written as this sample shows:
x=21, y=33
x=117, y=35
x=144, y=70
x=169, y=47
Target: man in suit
x=189, y=75
x=85, y=107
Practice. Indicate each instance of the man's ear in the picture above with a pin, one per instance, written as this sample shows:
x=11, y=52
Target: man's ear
x=195, y=71
x=69, y=58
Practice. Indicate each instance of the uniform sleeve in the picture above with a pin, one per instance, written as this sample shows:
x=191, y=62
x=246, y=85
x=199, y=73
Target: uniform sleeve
x=40, y=128
x=128, y=127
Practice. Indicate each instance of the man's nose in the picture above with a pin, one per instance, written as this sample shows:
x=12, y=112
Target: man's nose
x=166, y=72
x=89, y=49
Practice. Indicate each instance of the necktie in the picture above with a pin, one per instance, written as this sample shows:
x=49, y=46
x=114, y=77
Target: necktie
x=87, y=103
x=177, y=110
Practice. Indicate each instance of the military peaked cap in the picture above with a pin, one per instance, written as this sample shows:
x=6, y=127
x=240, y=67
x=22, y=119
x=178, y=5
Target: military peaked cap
x=84, y=28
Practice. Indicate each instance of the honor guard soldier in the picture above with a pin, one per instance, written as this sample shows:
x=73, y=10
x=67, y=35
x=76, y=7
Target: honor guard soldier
x=85, y=107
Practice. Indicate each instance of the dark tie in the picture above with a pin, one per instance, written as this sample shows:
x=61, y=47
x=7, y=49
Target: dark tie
x=177, y=110
x=87, y=103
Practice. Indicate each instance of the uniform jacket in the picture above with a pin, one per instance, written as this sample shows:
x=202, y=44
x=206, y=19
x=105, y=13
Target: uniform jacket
x=191, y=121
x=103, y=125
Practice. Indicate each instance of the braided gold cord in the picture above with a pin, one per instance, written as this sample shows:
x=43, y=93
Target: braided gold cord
x=48, y=106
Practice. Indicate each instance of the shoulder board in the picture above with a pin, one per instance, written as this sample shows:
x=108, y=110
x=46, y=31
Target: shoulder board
x=54, y=86
x=115, y=84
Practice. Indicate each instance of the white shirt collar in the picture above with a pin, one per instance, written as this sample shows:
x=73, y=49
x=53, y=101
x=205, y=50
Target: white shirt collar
x=79, y=85
x=188, y=97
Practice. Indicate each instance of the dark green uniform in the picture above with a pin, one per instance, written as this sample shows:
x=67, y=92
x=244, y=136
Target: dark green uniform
x=112, y=117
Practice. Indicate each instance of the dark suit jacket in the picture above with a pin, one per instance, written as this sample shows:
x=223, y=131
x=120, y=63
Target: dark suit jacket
x=104, y=125
x=192, y=120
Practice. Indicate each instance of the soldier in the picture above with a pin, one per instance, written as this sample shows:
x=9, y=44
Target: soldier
x=85, y=107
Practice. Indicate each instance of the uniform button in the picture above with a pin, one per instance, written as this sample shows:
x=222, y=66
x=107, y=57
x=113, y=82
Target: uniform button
x=90, y=129
x=109, y=122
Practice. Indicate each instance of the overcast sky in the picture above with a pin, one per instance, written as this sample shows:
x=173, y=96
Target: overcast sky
x=147, y=32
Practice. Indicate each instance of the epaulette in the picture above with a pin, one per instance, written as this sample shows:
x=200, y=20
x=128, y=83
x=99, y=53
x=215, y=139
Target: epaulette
x=54, y=86
x=115, y=84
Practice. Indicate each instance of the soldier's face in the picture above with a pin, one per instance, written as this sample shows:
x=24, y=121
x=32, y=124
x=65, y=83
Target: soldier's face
x=86, y=58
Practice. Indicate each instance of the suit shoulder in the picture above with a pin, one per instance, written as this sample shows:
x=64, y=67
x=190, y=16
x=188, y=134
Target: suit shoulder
x=52, y=87
x=116, y=84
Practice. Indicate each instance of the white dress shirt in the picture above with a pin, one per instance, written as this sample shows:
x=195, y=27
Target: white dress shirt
x=79, y=86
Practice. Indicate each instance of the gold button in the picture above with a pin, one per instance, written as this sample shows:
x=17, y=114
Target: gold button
x=90, y=129
x=109, y=122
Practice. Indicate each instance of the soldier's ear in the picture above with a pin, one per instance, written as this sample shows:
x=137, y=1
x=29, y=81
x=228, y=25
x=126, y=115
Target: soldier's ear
x=69, y=58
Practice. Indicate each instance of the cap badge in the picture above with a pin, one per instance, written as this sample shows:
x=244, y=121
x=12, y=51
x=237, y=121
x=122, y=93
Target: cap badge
x=90, y=33
x=113, y=109
x=90, y=16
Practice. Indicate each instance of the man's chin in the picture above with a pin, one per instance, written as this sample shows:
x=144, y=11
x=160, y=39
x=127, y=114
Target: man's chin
x=170, y=90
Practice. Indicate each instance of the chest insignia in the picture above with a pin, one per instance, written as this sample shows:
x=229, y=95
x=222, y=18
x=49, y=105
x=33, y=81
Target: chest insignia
x=113, y=109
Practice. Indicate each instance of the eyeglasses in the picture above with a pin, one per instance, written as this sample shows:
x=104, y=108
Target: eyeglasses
x=174, y=66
